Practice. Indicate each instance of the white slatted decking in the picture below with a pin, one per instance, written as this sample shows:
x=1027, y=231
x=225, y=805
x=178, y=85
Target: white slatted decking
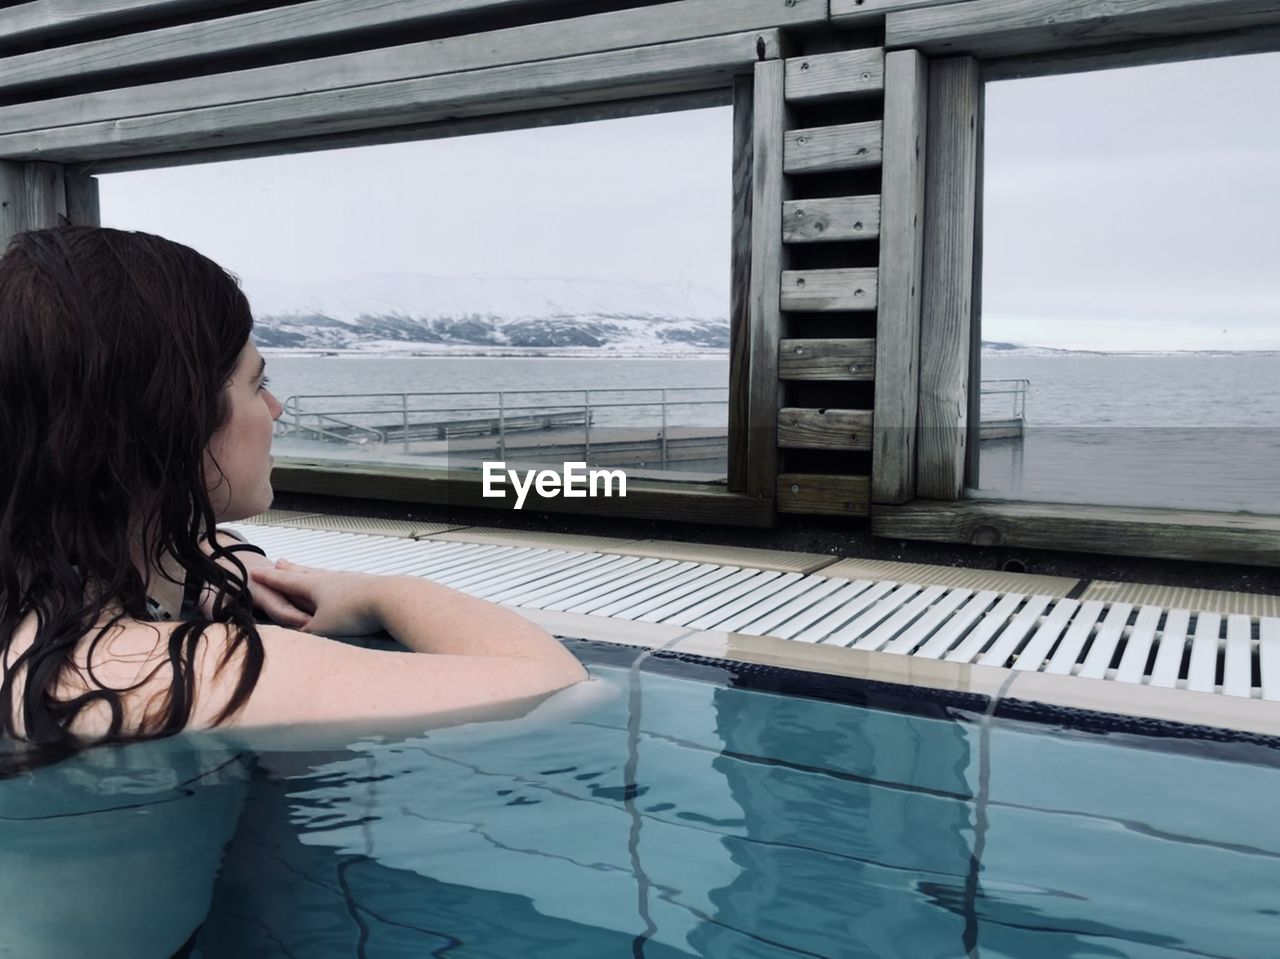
x=1202, y=650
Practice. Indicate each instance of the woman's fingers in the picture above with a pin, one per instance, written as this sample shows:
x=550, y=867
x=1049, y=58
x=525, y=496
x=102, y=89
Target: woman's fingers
x=279, y=607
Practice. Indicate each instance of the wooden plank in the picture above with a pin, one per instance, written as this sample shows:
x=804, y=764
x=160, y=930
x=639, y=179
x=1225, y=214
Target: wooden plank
x=597, y=33
x=947, y=276
x=855, y=12
x=827, y=359
x=418, y=132
x=973, y=412
x=239, y=34
x=740, y=286
x=687, y=502
x=825, y=429
x=848, y=75
x=831, y=219
x=846, y=146
x=893, y=461
x=26, y=21
x=817, y=494
x=829, y=290
x=82, y=200
x=654, y=70
x=1112, y=530
x=1139, y=53
x=1001, y=28
x=768, y=259
x=32, y=197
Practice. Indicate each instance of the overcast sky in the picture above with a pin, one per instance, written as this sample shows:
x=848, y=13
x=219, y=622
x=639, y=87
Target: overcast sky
x=1126, y=209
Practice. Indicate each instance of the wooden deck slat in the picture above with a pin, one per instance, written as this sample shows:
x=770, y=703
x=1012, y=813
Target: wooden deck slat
x=750, y=612
x=481, y=574
x=847, y=146
x=608, y=604
x=846, y=75
x=826, y=429
x=827, y=359
x=831, y=219
x=1064, y=658
x=822, y=291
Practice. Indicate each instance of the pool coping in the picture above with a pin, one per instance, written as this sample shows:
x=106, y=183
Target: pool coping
x=1126, y=702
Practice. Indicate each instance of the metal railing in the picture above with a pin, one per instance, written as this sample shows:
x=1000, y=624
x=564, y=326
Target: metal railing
x=384, y=418
x=1017, y=389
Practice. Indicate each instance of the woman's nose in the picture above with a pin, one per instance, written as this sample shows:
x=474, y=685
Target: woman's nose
x=274, y=405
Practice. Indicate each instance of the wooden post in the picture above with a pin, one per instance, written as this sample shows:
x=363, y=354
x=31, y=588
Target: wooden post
x=767, y=264
x=32, y=196
x=955, y=90
x=82, y=200
x=893, y=463
x=740, y=285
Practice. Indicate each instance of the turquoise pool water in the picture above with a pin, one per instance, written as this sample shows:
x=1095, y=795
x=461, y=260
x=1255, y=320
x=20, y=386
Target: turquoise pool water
x=680, y=817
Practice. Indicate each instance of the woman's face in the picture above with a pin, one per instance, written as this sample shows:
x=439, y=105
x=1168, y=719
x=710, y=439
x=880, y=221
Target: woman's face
x=238, y=459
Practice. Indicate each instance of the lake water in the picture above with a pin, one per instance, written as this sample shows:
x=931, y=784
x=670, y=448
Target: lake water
x=1195, y=431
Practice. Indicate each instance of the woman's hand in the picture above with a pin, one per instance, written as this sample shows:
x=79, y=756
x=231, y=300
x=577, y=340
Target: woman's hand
x=332, y=603
x=270, y=601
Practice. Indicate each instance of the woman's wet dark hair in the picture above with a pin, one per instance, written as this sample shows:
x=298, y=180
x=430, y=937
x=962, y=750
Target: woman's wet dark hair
x=115, y=349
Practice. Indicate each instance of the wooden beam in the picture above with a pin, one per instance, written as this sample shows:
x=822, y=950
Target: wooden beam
x=24, y=22
x=153, y=49
x=555, y=40
x=1002, y=28
x=829, y=290
x=82, y=200
x=654, y=70
x=847, y=146
x=848, y=75
x=650, y=71
x=662, y=501
x=947, y=279
x=827, y=429
x=768, y=259
x=857, y=12
x=32, y=197
x=1114, y=530
x=816, y=494
x=740, y=287
x=848, y=360
x=830, y=219
x=893, y=463
x=415, y=132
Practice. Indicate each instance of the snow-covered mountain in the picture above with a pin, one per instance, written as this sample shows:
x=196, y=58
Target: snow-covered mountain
x=395, y=312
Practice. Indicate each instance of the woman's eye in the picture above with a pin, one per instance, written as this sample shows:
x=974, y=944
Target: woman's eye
x=263, y=385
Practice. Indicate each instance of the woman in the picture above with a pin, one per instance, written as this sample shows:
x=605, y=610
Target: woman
x=134, y=417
